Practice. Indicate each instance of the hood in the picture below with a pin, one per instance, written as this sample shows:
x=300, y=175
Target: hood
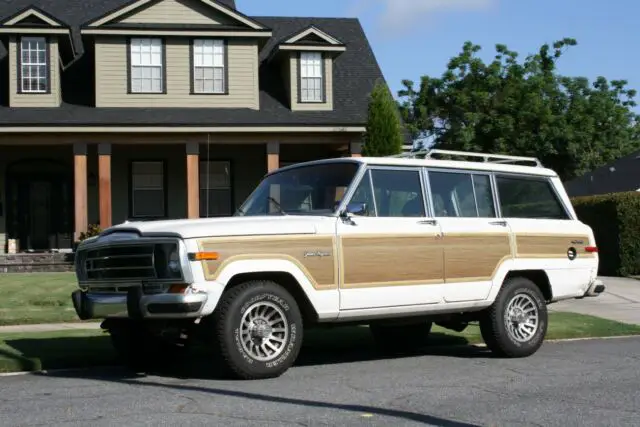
x=227, y=226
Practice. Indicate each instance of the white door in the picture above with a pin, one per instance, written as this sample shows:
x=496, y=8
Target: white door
x=476, y=243
x=545, y=237
x=390, y=253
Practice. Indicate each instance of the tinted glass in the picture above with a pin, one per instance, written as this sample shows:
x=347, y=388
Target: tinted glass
x=398, y=193
x=461, y=195
x=528, y=198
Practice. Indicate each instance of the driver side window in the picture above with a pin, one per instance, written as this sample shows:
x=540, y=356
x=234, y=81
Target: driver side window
x=398, y=193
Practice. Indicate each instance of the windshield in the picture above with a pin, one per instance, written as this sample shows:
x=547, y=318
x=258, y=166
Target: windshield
x=304, y=190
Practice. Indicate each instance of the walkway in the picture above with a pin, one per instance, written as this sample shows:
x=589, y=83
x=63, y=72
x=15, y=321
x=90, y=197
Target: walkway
x=620, y=301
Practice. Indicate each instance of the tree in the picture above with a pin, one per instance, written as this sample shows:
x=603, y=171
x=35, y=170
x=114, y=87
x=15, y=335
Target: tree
x=384, y=127
x=525, y=109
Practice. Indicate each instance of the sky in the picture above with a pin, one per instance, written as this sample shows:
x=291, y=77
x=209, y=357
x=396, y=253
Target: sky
x=412, y=38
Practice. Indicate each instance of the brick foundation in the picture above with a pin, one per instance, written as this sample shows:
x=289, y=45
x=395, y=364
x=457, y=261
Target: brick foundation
x=36, y=263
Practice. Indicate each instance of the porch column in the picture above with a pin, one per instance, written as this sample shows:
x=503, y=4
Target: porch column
x=355, y=149
x=273, y=156
x=193, y=180
x=80, y=188
x=104, y=188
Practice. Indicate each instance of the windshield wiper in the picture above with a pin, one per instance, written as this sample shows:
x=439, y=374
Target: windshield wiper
x=275, y=202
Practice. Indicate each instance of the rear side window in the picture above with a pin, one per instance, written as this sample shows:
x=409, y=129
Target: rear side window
x=463, y=195
x=529, y=198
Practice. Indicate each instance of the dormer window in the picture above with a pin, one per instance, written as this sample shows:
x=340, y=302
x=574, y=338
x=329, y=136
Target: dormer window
x=311, y=74
x=209, y=74
x=147, y=65
x=33, y=65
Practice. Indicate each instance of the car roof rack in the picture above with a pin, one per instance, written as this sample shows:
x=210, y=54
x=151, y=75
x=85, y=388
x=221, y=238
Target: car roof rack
x=489, y=158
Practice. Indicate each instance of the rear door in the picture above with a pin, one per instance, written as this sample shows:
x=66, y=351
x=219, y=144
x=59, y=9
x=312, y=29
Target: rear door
x=546, y=236
x=476, y=242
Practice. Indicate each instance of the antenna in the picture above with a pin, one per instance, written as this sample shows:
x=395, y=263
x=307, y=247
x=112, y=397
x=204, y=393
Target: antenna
x=208, y=171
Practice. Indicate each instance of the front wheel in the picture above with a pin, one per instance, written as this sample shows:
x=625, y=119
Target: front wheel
x=516, y=324
x=258, y=330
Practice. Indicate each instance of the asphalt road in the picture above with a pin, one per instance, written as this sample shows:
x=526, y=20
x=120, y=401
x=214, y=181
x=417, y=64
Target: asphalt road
x=580, y=383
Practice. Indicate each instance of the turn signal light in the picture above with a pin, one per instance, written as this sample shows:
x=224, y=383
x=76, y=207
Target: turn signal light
x=204, y=256
x=591, y=249
x=177, y=289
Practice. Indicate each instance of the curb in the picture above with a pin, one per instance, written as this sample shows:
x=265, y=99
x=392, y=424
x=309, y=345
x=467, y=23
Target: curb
x=478, y=345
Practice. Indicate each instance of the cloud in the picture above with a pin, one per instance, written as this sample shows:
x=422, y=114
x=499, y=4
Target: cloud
x=404, y=15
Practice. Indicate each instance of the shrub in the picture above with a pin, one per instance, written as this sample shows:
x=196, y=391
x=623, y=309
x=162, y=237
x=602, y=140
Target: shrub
x=615, y=219
x=92, y=230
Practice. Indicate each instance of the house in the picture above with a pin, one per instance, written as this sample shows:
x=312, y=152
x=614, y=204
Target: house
x=618, y=176
x=147, y=109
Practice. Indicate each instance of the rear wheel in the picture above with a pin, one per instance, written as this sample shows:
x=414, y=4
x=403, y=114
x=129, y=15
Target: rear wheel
x=516, y=324
x=258, y=330
x=396, y=337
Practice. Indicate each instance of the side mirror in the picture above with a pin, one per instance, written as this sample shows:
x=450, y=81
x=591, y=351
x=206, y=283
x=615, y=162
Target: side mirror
x=357, y=209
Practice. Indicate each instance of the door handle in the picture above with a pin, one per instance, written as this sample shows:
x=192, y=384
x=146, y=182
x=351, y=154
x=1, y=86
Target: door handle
x=500, y=223
x=428, y=222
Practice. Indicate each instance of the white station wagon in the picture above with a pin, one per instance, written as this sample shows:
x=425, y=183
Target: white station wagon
x=397, y=243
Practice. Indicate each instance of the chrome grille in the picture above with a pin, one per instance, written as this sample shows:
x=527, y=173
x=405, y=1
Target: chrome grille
x=122, y=262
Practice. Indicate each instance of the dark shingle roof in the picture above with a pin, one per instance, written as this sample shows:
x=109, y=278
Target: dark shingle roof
x=355, y=73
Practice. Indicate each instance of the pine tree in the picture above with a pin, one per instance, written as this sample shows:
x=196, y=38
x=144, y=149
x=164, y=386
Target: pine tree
x=384, y=128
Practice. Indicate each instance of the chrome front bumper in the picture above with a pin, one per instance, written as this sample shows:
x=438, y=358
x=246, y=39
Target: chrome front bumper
x=134, y=304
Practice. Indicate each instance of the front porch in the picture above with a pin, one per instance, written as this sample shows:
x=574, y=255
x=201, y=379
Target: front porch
x=53, y=187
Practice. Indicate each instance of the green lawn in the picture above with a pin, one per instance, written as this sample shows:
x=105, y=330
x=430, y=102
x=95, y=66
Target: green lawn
x=69, y=349
x=29, y=298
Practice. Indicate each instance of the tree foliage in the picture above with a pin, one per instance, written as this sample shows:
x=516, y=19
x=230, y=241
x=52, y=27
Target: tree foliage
x=524, y=108
x=384, y=127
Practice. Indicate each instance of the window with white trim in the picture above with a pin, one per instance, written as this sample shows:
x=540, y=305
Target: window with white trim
x=209, y=66
x=311, y=77
x=147, y=189
x=215, y=188
x=34, y=65
x=146, y=65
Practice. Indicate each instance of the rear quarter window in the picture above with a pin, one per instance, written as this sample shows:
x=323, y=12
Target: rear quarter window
x=525, y=197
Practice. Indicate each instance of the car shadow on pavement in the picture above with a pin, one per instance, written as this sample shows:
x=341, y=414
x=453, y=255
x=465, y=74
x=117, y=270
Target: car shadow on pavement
x=321, y=347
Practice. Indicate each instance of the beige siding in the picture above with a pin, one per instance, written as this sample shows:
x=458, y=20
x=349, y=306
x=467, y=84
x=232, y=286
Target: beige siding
x=328, y=82
x=177, y=12
x=52, y=99
x=111, y=77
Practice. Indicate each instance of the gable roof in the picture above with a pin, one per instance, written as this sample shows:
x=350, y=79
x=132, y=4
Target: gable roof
x=40, y=15
x=76, y=13
x=133, y=5
x=355, y=73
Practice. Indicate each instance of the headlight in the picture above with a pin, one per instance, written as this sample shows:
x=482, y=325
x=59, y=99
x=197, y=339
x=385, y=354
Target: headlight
x=167, y=261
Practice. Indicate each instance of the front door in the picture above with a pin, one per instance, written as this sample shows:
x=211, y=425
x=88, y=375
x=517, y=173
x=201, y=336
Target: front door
x=40, y=218
x=476, y=243
x=391, y=253
x=39, y=209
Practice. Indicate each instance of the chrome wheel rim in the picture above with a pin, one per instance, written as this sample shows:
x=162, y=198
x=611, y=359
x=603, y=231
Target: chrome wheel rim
x=264, y=331
x=522, y=318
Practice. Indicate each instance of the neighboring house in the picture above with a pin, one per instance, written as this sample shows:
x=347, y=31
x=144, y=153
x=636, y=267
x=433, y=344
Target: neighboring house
x=117, y=109
x=618, y=176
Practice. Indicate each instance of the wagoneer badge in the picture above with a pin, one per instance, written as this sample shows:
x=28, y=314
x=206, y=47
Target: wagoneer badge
x=316, y=253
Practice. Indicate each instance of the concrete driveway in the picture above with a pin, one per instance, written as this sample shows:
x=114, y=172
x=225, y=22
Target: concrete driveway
x=620, y=301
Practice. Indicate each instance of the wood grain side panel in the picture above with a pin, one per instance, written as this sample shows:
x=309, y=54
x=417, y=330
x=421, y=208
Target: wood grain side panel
x=550, y=245
x=474, y=257
x=320, y=270
x=370, y=261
